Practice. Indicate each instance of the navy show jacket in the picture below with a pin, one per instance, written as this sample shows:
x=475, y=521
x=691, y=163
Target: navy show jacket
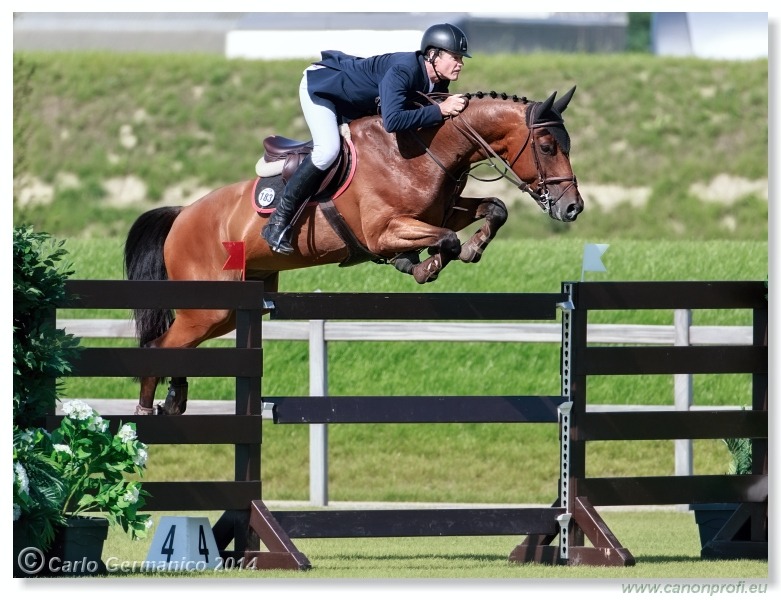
x=354, y=84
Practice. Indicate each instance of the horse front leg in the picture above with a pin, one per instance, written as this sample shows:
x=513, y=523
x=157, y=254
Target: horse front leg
x=405, y=236
x=469, y=210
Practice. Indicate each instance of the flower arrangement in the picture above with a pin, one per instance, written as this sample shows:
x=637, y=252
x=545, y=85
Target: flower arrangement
x=78, y=468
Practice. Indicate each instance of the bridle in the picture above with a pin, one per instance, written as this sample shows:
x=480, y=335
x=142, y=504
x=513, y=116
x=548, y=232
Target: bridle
x=541, y=194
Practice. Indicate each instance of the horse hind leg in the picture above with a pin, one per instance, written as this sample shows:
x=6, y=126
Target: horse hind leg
x=175, y=401
x=176, y=398
x=189, y=329
x=146, y=398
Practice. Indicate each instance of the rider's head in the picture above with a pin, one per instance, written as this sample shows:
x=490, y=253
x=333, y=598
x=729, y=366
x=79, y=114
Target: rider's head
x=444, y=36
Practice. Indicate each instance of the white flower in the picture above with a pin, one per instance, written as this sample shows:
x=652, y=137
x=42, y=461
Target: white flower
x=148, y=523
x=76, y=409
x=20, y=473
x=127, y=433
x=131, y=495
x=17, y=512
x=63, y=448
x=140, y=457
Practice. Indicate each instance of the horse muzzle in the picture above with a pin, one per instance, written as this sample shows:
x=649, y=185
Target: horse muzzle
x=562, y=200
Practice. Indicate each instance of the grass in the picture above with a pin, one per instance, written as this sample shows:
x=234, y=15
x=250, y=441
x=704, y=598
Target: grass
x=665, y=545
x=169, y=125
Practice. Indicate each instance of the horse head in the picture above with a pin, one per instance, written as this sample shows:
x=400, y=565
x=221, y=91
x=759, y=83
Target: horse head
x=554, y=185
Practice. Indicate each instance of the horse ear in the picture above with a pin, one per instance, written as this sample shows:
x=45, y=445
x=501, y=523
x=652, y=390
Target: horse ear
x=546, y=106
x=561, y=104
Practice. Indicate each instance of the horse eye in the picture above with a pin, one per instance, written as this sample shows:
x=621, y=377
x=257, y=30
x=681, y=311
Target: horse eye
x=547, y=148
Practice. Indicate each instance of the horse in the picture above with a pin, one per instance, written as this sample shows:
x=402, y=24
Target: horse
x=403, y=196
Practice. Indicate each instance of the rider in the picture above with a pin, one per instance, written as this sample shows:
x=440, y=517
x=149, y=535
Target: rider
x=342, y=87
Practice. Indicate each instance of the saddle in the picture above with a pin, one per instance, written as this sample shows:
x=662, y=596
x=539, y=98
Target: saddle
x=282, y=156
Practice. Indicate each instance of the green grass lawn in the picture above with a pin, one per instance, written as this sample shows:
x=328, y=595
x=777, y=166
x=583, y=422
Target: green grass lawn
x=665, y=545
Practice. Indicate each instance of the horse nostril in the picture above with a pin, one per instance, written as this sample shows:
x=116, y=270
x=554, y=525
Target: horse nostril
x=573, y=210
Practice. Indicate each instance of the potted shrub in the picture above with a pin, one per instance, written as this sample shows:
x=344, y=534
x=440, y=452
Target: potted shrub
x=710, y=518
x=79, y=468
x=63, y=477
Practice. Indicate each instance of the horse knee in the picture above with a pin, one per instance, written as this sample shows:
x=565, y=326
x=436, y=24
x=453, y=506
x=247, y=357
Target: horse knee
x=497, y=213
x=450, y=246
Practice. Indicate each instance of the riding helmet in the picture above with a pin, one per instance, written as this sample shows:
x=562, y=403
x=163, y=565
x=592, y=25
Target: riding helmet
x=445, y=37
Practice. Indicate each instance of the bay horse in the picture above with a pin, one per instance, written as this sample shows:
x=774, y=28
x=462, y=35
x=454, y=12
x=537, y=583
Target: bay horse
x=404, y=197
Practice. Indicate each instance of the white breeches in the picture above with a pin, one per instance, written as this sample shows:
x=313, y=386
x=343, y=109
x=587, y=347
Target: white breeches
x=320, y=116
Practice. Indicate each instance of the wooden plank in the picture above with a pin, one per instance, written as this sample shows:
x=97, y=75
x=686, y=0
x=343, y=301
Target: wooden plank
x=606, y=550
x=418, y=522
x=446, y=306
x=415, y=409
x=618, y=295
x=400, y=331
x=276, y=539
x=693, y=489
x=201, y=495
x=187, y=429
x=164, y=294
x=634, y=360
x=672, y=425
x=168, y=362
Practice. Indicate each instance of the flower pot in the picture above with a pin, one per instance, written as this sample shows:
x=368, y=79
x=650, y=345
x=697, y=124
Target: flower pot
x=710, y=518
x=77, y=548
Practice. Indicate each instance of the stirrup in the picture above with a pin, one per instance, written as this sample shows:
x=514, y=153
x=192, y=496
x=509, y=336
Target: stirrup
x=276, y=246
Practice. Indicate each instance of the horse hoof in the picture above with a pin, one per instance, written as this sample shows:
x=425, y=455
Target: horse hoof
x=423, y=276
x=175, y=400
x=142, y=410
x=470, y=253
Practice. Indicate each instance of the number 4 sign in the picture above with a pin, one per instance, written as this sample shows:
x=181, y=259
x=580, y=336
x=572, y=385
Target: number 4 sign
x=183, y=544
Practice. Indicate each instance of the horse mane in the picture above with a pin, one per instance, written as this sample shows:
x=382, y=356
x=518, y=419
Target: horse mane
x=493, y=94
x=555, y=121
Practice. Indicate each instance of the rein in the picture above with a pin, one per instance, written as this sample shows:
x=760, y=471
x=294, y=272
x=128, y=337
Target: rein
x=501, y=165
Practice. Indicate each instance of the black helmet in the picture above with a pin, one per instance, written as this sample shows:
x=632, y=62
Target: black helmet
x=446, y=37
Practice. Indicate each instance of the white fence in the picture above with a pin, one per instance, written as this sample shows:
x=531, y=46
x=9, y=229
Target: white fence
x=318, y=333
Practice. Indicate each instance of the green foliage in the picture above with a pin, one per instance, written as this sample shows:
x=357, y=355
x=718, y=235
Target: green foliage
x=23, y=74
x=41, y=352
x=193, y=123
x=740, y=454
x=638, y=35
x=79, y=467
x=93, y=462
x=38, y=488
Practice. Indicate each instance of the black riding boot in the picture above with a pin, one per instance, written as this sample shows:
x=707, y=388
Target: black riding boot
x=301, y=186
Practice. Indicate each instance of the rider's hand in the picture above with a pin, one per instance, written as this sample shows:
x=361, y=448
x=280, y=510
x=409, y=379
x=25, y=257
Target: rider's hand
x=452, y=105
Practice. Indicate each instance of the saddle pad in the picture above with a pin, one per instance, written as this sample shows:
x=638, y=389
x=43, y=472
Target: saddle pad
x=266, y=194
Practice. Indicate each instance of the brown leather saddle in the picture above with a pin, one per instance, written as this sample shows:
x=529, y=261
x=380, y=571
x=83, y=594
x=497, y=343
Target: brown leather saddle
x=282, y=156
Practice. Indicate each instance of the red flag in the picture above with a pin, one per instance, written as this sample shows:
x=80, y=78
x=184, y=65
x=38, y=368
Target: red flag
x=235, y=257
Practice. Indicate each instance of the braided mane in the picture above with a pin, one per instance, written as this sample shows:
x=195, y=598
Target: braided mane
x=492, y=94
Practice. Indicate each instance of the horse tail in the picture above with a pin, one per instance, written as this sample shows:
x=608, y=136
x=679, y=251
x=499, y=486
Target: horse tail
x=144, y=261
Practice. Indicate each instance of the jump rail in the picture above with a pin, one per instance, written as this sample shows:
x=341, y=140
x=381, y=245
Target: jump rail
x=244, y=362
x=571, y=519
x=745, y=534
